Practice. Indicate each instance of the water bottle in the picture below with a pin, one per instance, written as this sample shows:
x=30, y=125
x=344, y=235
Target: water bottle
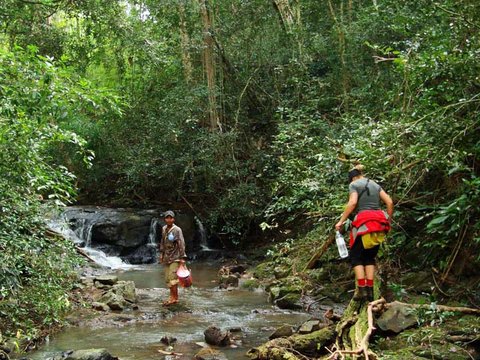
x=342, y=248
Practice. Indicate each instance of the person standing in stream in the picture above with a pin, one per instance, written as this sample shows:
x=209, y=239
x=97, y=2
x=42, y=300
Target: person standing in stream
x=369, y=226
x=172, y=254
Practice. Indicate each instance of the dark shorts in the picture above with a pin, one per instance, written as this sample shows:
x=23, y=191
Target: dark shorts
x=361, y=256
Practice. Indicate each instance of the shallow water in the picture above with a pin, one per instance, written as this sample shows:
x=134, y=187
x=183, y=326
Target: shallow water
x=244, y=309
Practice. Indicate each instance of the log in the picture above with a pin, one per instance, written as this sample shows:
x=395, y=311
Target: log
x=84, y=254
x=319, y=253
x=463, y=310
x=172, y=353
x=295, y=346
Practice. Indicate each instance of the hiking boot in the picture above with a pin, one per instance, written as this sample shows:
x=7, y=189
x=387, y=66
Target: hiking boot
x=369, y=293
x=360, y=293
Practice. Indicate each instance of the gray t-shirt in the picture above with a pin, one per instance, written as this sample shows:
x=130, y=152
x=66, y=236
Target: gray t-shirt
x=369, y=199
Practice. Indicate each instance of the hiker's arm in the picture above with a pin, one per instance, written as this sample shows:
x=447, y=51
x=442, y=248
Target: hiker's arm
x=388, y=202
x=351, y=205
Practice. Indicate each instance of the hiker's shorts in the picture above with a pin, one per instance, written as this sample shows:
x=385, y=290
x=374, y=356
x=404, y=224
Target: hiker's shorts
x=171, y=274
x=361, y=256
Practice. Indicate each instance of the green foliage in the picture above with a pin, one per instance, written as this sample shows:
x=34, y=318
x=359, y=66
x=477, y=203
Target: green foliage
x=38, y=97
x=432, y=315
x=301, y=95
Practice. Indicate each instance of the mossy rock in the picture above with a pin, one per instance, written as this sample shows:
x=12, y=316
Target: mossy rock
x=320, y=275
x=281, y=271
x=289, y=301
x=263, y=271
x=284, y=289
x=250, y=284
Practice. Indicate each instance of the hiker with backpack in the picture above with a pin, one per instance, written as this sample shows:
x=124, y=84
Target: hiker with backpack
x=368, y=228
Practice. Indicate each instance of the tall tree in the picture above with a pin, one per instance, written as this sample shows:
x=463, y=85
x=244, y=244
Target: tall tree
x=209, y=65
x=185, y=42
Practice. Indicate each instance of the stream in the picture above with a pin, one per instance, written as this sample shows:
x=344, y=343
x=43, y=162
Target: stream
x=205, y=305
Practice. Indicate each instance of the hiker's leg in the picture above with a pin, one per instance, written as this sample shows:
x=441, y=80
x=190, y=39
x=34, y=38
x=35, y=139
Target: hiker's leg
x=174, y=290
x=370, y=272
x=172, y=282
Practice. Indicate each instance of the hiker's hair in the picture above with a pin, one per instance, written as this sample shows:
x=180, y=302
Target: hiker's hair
x=356, y=171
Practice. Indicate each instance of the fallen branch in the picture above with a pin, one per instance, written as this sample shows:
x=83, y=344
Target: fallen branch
x=462, y=338
x=463, y=310
x=190, y=206
x=84, y=254
x=171, y=353
x=319, y=254
x=378, y=59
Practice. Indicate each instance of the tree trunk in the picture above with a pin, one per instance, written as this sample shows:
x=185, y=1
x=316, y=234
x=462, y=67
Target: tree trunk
x=209, y=65
x=185, y=42
x=339, y=25
x=286, y=14
x=290, y=20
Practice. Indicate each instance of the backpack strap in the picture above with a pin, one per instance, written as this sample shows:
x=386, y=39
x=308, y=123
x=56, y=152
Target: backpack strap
x=367, y=189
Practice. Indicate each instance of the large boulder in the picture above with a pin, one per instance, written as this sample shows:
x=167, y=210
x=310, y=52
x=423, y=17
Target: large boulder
x=227, y=281
x=113, y=301
x=289, y=301
x=107, y=279
x=282, y=331
x=143, y=254
x=126, y=289
x=216, y=336
x=397, y=318
x=310, y=326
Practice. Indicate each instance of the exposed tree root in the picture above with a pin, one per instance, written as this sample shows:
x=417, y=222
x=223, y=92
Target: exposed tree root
x=353, y=337
x=4, y=355
x=361, y=345
x=294, y=347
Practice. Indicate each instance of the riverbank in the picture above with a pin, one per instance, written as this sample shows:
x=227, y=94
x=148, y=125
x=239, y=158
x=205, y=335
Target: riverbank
x=416, y=318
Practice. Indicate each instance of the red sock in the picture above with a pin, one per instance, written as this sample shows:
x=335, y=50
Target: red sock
x=370, y=282
x=361, y=282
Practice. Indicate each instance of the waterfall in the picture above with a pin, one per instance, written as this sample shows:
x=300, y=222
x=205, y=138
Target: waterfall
x=84, y=232
x=83, y=235
x=87, y=235
x=203, y=235
x=152, y=235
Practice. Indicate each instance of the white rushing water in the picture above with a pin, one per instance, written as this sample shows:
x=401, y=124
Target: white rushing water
x=60, y=226
x=152, y=236
x=203, y=235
